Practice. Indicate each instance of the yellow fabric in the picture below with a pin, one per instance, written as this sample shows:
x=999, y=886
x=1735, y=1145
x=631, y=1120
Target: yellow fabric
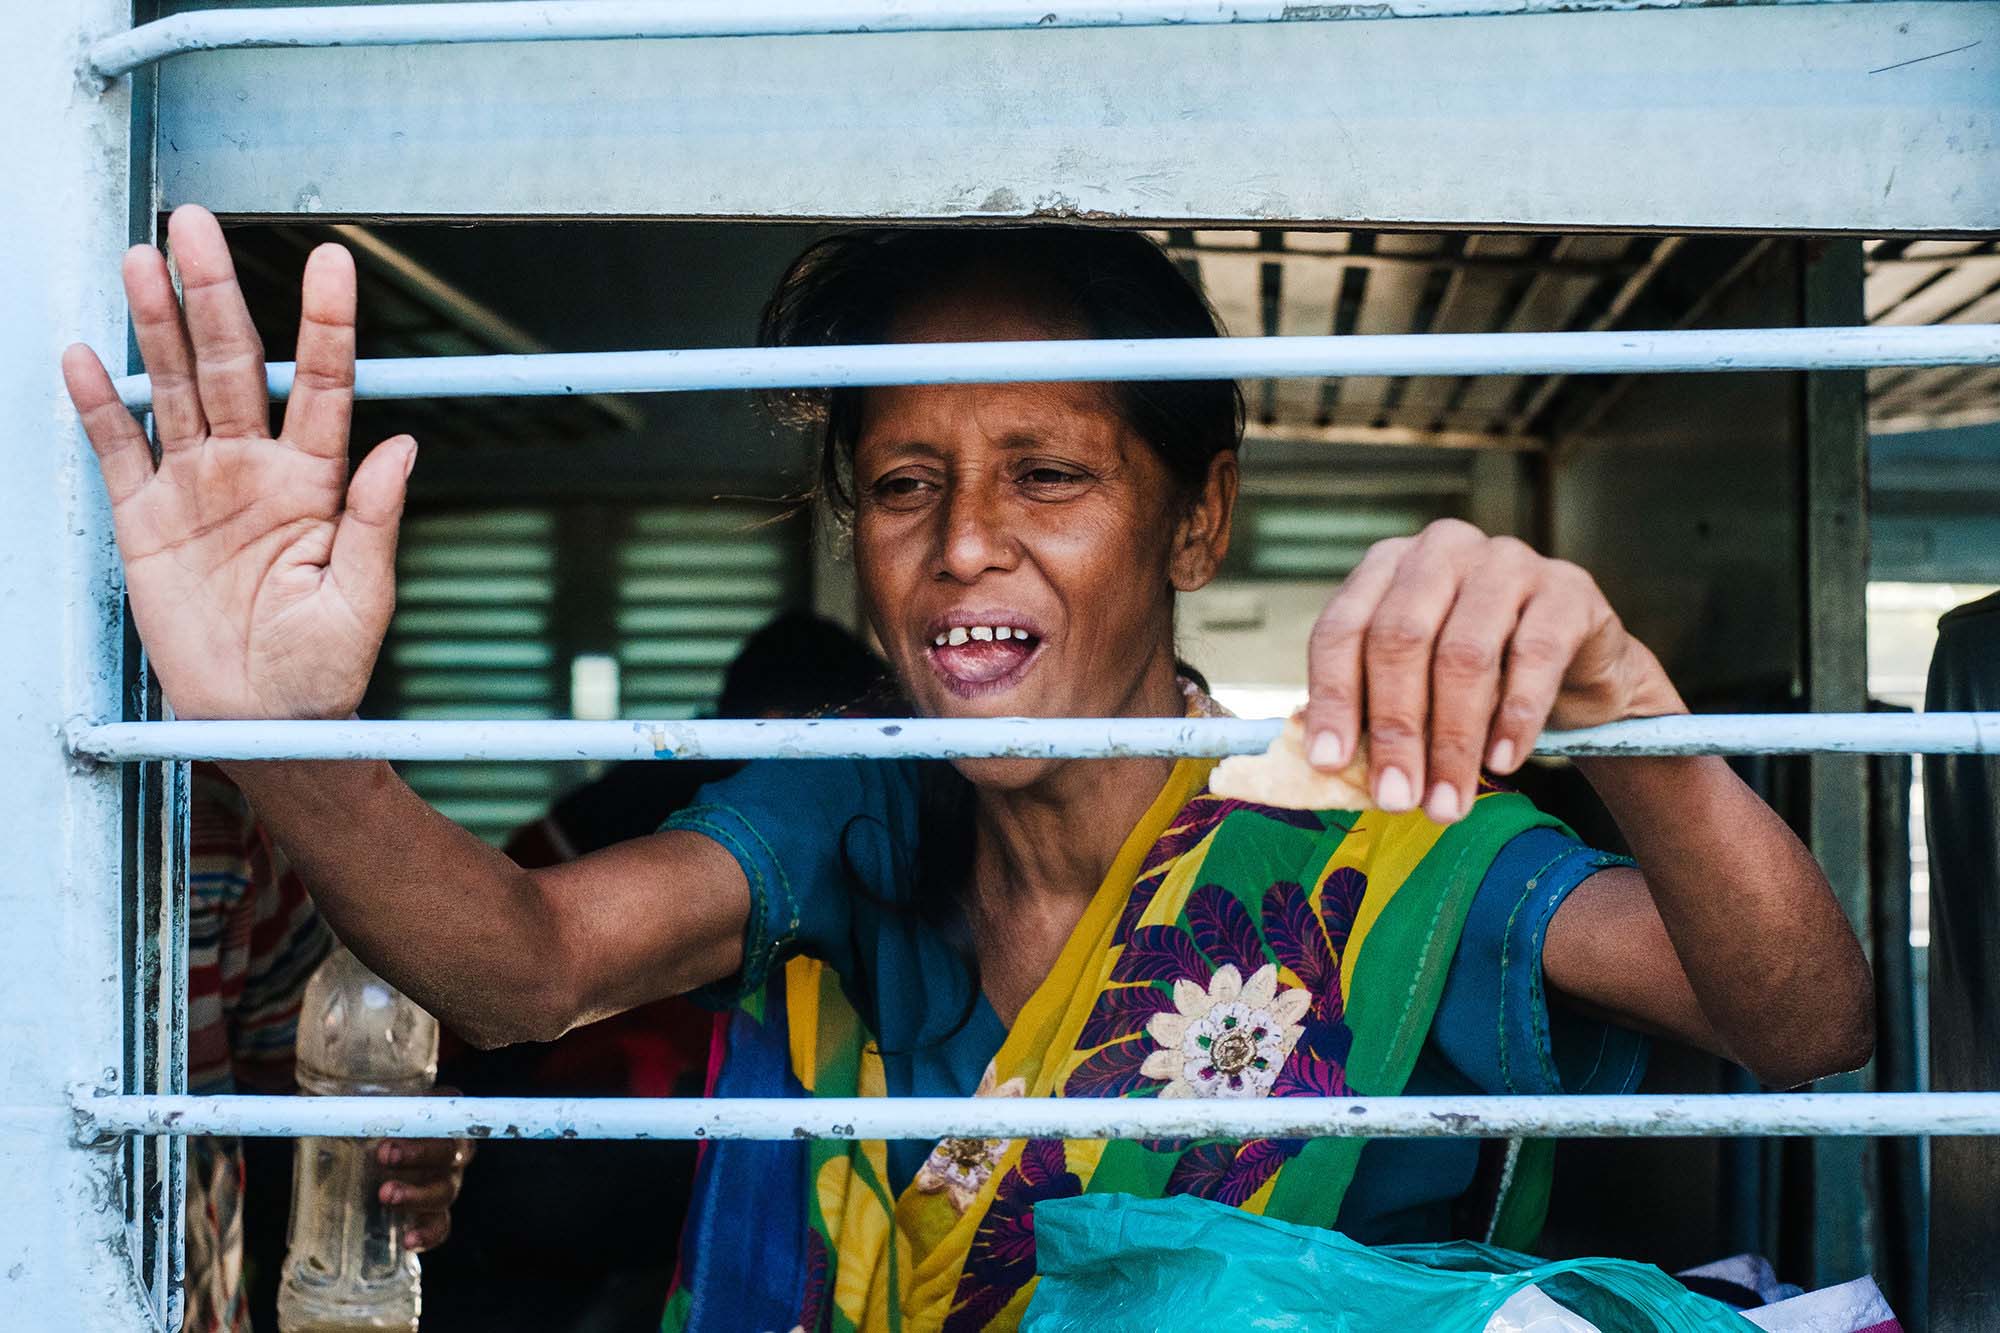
x=908, y=1275
x=1047, y=1025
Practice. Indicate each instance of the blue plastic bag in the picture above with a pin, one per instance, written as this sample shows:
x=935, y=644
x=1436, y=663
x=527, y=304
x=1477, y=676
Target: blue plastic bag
x=1112, y=1262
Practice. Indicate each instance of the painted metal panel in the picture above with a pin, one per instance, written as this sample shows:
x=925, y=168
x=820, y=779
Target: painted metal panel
x=601, y=20
x=1872, y=118
x=67, y=1258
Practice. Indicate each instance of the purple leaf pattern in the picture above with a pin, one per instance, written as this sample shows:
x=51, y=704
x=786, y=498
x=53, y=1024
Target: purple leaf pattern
x=1121, y=1011
x=1340, y=902
x=1002, y=1256
x=1297, y=939
x=1223, y=929
x=1161, y=953
x=1202, y=1169
x=1258, y=1161
x=1113, y=1071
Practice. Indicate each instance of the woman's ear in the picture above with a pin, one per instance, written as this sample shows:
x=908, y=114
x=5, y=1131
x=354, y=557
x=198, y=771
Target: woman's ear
x=1202, y=539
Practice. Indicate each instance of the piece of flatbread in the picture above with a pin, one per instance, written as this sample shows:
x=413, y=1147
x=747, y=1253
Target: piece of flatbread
x=1281, y=776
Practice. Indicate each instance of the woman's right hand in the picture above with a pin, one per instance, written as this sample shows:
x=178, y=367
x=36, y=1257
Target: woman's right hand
x=261, y=578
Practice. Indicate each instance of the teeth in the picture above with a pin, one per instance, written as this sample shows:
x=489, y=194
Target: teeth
x=958, y=634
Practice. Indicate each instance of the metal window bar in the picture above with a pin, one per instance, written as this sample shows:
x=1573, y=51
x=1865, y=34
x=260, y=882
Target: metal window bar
x=968, y=738
x=777, y=1118
x=1679, y=351
x=97, y=1114
x=606, y=20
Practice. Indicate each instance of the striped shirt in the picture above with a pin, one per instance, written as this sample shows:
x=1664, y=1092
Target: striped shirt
x=253, y=941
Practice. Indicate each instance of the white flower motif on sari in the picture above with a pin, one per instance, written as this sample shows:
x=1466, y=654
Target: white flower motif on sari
x=960, y=1168
x=1228, y=1039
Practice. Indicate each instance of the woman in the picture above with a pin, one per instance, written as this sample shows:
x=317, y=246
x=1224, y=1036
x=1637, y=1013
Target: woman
x=1034, y=927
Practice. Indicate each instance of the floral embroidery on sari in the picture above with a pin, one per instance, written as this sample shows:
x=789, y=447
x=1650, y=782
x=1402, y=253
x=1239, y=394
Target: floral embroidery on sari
x=960, y=1167
x=1229, y=1040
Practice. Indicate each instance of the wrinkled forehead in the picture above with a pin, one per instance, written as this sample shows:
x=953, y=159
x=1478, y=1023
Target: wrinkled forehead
x=988, y=306
x=950, y=418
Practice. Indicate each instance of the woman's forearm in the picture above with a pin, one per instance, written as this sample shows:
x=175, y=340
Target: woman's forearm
x=1771, y=960
x=445, y=918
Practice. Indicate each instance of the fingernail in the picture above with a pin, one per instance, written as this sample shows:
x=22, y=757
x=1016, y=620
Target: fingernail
x=392, y=1194
x=1326, y=751
x=409, y=460
x=1443, y=806
x=1501, y=758
x=1392, y=791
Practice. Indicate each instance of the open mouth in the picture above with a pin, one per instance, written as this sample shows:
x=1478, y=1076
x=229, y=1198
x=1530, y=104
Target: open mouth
x=975, y=659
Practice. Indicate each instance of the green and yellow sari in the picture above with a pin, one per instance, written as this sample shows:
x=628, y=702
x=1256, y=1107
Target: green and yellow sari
x=1231, y=951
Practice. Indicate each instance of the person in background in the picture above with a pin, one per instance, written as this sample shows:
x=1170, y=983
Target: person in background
x=581, y=1237
x=253, y=942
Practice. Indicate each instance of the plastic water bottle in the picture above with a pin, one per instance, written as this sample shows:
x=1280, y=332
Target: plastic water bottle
x=345, y=1266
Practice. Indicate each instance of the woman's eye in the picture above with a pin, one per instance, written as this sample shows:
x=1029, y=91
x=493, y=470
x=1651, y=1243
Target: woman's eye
x=902, y=488
x=1051, y=476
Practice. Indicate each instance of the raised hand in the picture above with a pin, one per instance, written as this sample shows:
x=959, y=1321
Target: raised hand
x=261, y=578
x=1453, y=649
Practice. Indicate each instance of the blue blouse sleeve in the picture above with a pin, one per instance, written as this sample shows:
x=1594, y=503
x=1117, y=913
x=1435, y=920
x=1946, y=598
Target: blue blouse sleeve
x=1494, y=1023
x=805, y=832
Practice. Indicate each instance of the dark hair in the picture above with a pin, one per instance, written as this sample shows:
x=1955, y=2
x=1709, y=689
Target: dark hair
x=848, y=289
x=799, y=665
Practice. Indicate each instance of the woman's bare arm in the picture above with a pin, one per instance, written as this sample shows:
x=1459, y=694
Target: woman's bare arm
x=498, y=953
x=1730, y=940
x=1453, y=649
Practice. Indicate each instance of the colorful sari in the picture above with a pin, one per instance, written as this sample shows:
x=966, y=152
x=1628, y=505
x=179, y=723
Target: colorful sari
x=1231, y=951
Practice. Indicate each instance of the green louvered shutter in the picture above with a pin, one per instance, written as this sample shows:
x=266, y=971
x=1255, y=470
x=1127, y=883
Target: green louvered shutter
x=495, y=605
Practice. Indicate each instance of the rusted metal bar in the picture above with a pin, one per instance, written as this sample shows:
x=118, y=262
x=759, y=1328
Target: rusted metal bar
x=1783, y=1114
x=965, y=738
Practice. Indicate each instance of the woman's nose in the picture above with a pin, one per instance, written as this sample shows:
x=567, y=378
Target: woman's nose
x=975, y=536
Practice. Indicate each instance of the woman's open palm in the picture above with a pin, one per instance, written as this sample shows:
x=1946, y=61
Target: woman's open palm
x=260, y=577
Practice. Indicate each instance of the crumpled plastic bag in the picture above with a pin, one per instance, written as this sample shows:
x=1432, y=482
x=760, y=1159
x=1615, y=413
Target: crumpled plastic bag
x=1530, y=1310
x=1111, y=1262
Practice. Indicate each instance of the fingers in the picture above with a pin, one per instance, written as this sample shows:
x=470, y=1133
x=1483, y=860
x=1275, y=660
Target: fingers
x=1334, y=667
x=363, y=562
x=1465, y=672
x=163, y=345
x=410, y=1158
x=1554, y=624
x=322, y=399
x=423, y=1185
x=426, y=1231
x=228, y=354
x=123, y=455
x=426, y=1193
x=1397, y=656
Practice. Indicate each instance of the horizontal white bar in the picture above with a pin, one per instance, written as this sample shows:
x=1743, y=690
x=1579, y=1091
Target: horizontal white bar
x=1691, y=351
x=603, y=20
x=1867, y=1114
x=966, y=738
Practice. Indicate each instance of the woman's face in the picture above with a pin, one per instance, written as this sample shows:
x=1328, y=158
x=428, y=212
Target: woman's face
x=1018, y=545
